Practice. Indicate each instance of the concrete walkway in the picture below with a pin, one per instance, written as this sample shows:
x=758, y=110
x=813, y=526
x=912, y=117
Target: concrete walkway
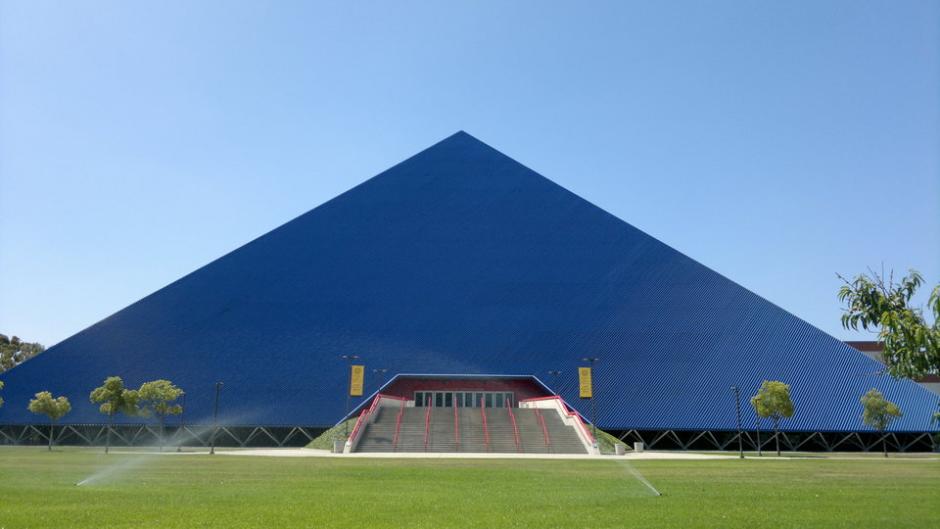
x=310, y=452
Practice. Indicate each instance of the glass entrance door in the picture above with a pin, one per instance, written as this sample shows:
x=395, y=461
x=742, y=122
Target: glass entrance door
x=464, y=399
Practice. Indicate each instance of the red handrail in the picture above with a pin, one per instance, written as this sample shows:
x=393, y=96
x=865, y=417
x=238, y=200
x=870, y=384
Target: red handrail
x=392, y=397
x=534, y=399
x=538, y=413
x=362, y=417
x=486, y=431
x=401, y=412
x=515, y=429
x=577, y=419
x=427, y=427
x=366, y=413
x=567, y=410
x=456, y=430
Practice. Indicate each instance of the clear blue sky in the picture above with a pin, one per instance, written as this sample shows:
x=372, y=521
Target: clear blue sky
x=776, y=142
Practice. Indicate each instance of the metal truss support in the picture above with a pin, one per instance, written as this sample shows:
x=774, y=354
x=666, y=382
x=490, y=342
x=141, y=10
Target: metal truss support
x=5, y=437
x=922, y=438
x=268, y=436
x=806, y=440
x=732, y=439
x=149, y=435
x=294, y=431
x=789, y=441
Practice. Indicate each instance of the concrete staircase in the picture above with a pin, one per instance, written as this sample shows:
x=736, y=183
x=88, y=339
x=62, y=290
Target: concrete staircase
x=442, y=437
x=469, y=435
x=502, y=436
x=411, y=434
x=379, y=433
x=564, y=440
x=472, y=439
x=530, y=432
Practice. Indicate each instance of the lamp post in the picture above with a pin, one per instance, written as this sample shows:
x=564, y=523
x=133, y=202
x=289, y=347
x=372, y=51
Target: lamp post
x=759, y=449
x=179, y=445
x=380, y=373
x=215, y=417
x=554, y=374
x=737, y=411
x=592, y=360
x=349, y=360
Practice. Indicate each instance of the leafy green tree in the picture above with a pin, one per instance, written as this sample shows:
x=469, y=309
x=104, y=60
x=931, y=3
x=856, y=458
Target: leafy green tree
x=773, y=402
x=878, y=304
x=879, y=413
x=158, y=397
x=1, y=398
x=14, y=351
x=54, y=408
x=114, y=398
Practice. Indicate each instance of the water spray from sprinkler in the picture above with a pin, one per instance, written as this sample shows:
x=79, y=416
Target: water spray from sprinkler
x=137, y=460
x=639, y=477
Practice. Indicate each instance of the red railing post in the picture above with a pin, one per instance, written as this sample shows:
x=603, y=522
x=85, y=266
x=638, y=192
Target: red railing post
x=427, y=427
x=456, y=430
x=486, y=431
x=363, y=417
x=568, y=412
x=366, y=415
x=577, y=418
x=548, y=441
x=401, y=412
x=515, y=429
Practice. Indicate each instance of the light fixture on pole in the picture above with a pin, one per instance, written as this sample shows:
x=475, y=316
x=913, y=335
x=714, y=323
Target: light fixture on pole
x=179, y=444
x=554, y=373
x=215, y=417
x=349, y=359
x=592, y=360
x=737, y=410
x=379, y=372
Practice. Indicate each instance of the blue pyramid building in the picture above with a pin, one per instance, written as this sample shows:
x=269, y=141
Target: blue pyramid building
x=460, y=260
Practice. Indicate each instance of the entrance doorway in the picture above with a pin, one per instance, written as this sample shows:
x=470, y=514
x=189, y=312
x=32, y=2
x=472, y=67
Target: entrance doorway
x=464, y=399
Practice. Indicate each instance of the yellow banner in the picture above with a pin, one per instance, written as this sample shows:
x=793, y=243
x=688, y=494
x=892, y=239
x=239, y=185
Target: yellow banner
x=356, y=380
x=584, y=381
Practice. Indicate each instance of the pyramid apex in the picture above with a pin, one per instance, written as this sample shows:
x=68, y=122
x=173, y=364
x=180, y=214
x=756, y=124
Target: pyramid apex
x=462, y=138
x=462, y=134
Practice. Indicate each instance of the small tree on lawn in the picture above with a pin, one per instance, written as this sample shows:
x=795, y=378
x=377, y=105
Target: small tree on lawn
x=158, y=397
x=773, y=402
x=53, y=407
x=879, y=413
x=114, y=398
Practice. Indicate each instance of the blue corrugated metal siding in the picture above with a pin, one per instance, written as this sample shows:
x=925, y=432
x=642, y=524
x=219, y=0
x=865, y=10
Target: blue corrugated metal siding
x=460, y=260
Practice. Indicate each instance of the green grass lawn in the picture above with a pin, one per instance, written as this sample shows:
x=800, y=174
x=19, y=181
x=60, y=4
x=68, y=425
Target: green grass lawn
x=37, y=490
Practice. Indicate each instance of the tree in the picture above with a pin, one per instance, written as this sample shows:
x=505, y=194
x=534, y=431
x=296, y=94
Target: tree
x=114, y=398
x=773, y=402
x=54, y=408
x=1, y=398
x=878, y=304
x=14, y=351
x=936, y=420
x=879, y=413
x=158, y=397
